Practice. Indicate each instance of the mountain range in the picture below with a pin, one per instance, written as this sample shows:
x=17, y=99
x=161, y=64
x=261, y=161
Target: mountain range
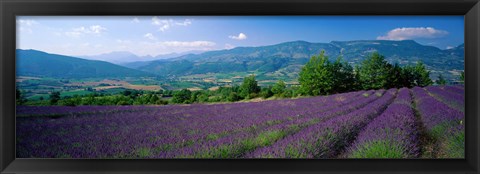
x=286, y=57
x=40, y=64
x=125, y=57
x=290, y=56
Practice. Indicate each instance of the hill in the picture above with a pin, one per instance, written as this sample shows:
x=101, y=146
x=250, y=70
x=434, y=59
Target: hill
x=40, y=64
x=131, y=60
x=289, y=56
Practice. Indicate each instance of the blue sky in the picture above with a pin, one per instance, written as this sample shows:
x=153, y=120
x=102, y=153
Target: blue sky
x=154, y=35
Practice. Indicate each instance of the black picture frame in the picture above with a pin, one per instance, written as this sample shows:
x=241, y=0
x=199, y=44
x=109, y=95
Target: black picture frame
x=11, y=8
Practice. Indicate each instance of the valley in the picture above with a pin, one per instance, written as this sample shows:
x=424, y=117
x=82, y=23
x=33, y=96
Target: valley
x=40, y=73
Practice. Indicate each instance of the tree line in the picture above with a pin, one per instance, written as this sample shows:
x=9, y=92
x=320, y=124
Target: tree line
x=319, y=76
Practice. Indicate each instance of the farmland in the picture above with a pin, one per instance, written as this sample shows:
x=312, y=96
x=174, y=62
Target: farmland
x=35, y=87
x=395, y=123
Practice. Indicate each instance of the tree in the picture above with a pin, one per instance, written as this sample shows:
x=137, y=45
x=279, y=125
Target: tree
x=408, y=76
x=394, y=79
x=182, y=96
x=233, y=96
x=249, y=87
x=54, y=97
x=154, y=99
x=266, y=92
x=374, y=72
x=19, y=97
x=127, y=92
x=315, y=78
x=343, y=76
x=441, y=80
x=67, y=102
x=202, y=98
x=279, y=88
x=462, y=76
x=421, y=75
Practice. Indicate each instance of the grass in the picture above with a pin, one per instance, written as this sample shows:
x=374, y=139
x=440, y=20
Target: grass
x=237, y=150
x=74, y=92
x=454, y=145
x=143, y=152
x=163, y=148
x=379, y=149
x=37, y=97
x=267, y=138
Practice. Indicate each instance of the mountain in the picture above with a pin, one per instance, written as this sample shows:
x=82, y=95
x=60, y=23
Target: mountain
x=290, y=56
x=41, y=64
x=117, y=57
x=457, y=51
x=129, y=59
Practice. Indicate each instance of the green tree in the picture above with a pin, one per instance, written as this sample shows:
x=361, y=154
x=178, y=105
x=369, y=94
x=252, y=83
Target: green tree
x=421, y=76
x=127, y=92
x=462, y=76
x=266, y=92
x=54, y=97
x=279, y=88
x=19, y=97
x=18, y=94
x=374, y=72
x=408, y=76
x=441, y=80
x=67, y=102
x=182, y=96
x=343, y=78
x=154, y=99
x=232, y=97
x=315, y=78
x=249, y=87
x=202, y=98
x=396, y=77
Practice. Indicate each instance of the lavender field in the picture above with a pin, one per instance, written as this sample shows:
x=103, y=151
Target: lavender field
x=395, y=123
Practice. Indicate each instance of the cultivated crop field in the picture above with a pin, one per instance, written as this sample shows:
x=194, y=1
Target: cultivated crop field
x=396, y=123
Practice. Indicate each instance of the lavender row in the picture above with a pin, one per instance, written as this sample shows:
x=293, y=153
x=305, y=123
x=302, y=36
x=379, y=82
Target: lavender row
x=117, y=136
x=236, y=145
x=253, y=118
x=444, y=124
x=326, y=139
x=432, y=111
x=454, y=100
x=68, y=110
x=392, y=134
x=455, y=89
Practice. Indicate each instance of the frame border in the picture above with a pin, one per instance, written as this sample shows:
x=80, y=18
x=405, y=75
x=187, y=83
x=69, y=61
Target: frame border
x=11, y=8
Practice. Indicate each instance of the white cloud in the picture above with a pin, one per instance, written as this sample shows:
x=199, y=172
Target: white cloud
x=135, y=20
x=186, y=22
x=120, y=41
x=80, y=31
x=97, y=29
x=73, y=34
x=25, y=25
x=188, y=44
x=150, y=36
x=165, y=24
x=240, y=36
x=229, y=46
x=412, y=33
x=26, y=22
x=166, y=47
x=450, y=47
